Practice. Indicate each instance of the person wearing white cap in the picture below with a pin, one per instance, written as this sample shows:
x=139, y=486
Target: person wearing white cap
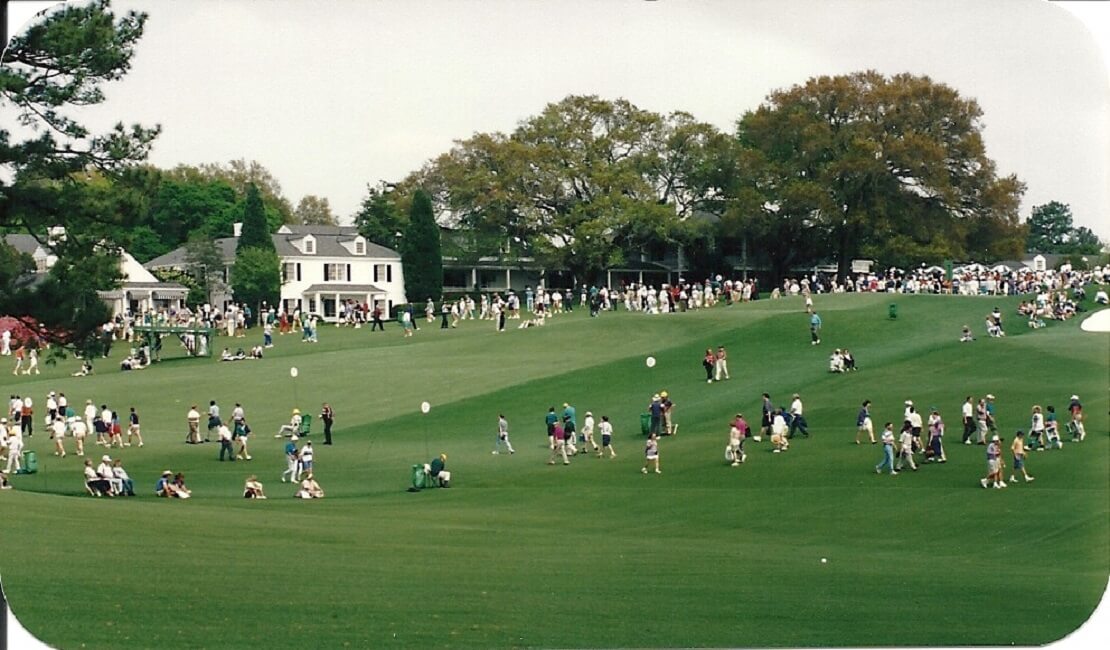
x=797, y=420
x=14, y=444
x=90, y=415
x=58, y=427
x=293, y=427
x=588, y=434
x=994, y=464
x=292, y=460
x=79, y=430
x=104, y=471
x=992, y=419
x=1078, y=432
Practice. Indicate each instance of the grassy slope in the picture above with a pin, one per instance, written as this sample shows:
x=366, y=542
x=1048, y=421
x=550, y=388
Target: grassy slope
x=593, y=555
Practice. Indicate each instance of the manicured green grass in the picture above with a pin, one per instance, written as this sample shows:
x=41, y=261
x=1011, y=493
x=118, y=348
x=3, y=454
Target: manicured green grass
x=519, y=553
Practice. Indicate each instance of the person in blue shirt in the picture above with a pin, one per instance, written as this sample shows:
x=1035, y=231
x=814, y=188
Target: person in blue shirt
x=292, y=459
x=815, y=328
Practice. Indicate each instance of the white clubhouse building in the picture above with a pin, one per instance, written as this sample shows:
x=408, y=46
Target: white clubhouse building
x=321, y=266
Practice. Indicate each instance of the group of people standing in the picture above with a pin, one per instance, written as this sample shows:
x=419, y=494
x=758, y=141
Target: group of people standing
x=564, y=436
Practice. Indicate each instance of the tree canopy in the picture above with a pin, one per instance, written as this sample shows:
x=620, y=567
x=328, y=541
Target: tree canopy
x=55, y=172
x=1051, y=231
x=380, y=219
x=890, y=168
x=581, y=186
x=256, y=278
x=313, y=210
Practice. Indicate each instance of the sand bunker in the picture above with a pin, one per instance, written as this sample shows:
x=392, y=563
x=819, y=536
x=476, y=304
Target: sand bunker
x=1097, y=322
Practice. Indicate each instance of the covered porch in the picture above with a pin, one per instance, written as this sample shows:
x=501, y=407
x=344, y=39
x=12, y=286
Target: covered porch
x=142, y=297
x=324, y=299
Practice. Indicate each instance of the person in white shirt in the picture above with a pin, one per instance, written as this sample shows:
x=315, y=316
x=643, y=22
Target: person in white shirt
x=310, y=489
x=1037, y=430
x=606, y=430
x=503, y=435
x=914, y=418
x=193, y=419
x=213, y=419
x=588, y=434
x=293, y=427
x=94, y=483
x=735, y=449
x=90, y=415
x=797, y=420
x=905, y=452
x=15, y=453
x=888, y=451
x=967, y=415
x=79, y=430
x=306, y=458
x=779, y=432
x=224, y=436
x=51, y=406
x=58, y=429
x=127, y=486
x=104, y=471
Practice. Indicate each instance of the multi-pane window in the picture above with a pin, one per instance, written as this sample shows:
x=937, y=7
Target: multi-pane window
x=335, y=272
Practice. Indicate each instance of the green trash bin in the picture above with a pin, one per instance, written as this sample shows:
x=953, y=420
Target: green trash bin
x=30, y=463
x=418, y=477
x=645, y=423
x=892, y=311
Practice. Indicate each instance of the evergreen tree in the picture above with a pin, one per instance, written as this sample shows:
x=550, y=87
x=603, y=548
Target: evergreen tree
x=256, y=231
x=46, y=170
x=421, y=258
x=256, y=278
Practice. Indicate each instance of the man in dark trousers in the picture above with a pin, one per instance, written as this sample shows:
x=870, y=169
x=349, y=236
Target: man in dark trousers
x=378, y=324
x=327, y=416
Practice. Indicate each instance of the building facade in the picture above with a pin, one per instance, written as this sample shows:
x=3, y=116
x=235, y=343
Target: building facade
x=321, y=266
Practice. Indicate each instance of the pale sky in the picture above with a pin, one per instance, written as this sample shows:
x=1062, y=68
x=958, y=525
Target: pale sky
x=330, y=96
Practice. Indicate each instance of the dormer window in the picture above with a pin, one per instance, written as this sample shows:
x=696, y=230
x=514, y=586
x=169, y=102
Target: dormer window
x=309, y=245
x=360, y=247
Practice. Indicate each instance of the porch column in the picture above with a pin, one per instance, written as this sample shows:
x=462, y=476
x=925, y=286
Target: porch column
x=337, y=306
x=508, y=279
x=473, y=279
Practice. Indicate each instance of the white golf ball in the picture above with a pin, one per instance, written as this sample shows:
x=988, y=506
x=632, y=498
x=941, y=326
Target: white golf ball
x=650, y=362
x=824, y=561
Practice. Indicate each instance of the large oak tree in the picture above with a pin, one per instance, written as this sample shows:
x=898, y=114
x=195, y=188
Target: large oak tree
x=892, y=168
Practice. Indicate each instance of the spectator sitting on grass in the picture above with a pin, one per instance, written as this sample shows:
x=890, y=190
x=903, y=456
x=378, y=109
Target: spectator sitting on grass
x=310, y=489
x=252, y=489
